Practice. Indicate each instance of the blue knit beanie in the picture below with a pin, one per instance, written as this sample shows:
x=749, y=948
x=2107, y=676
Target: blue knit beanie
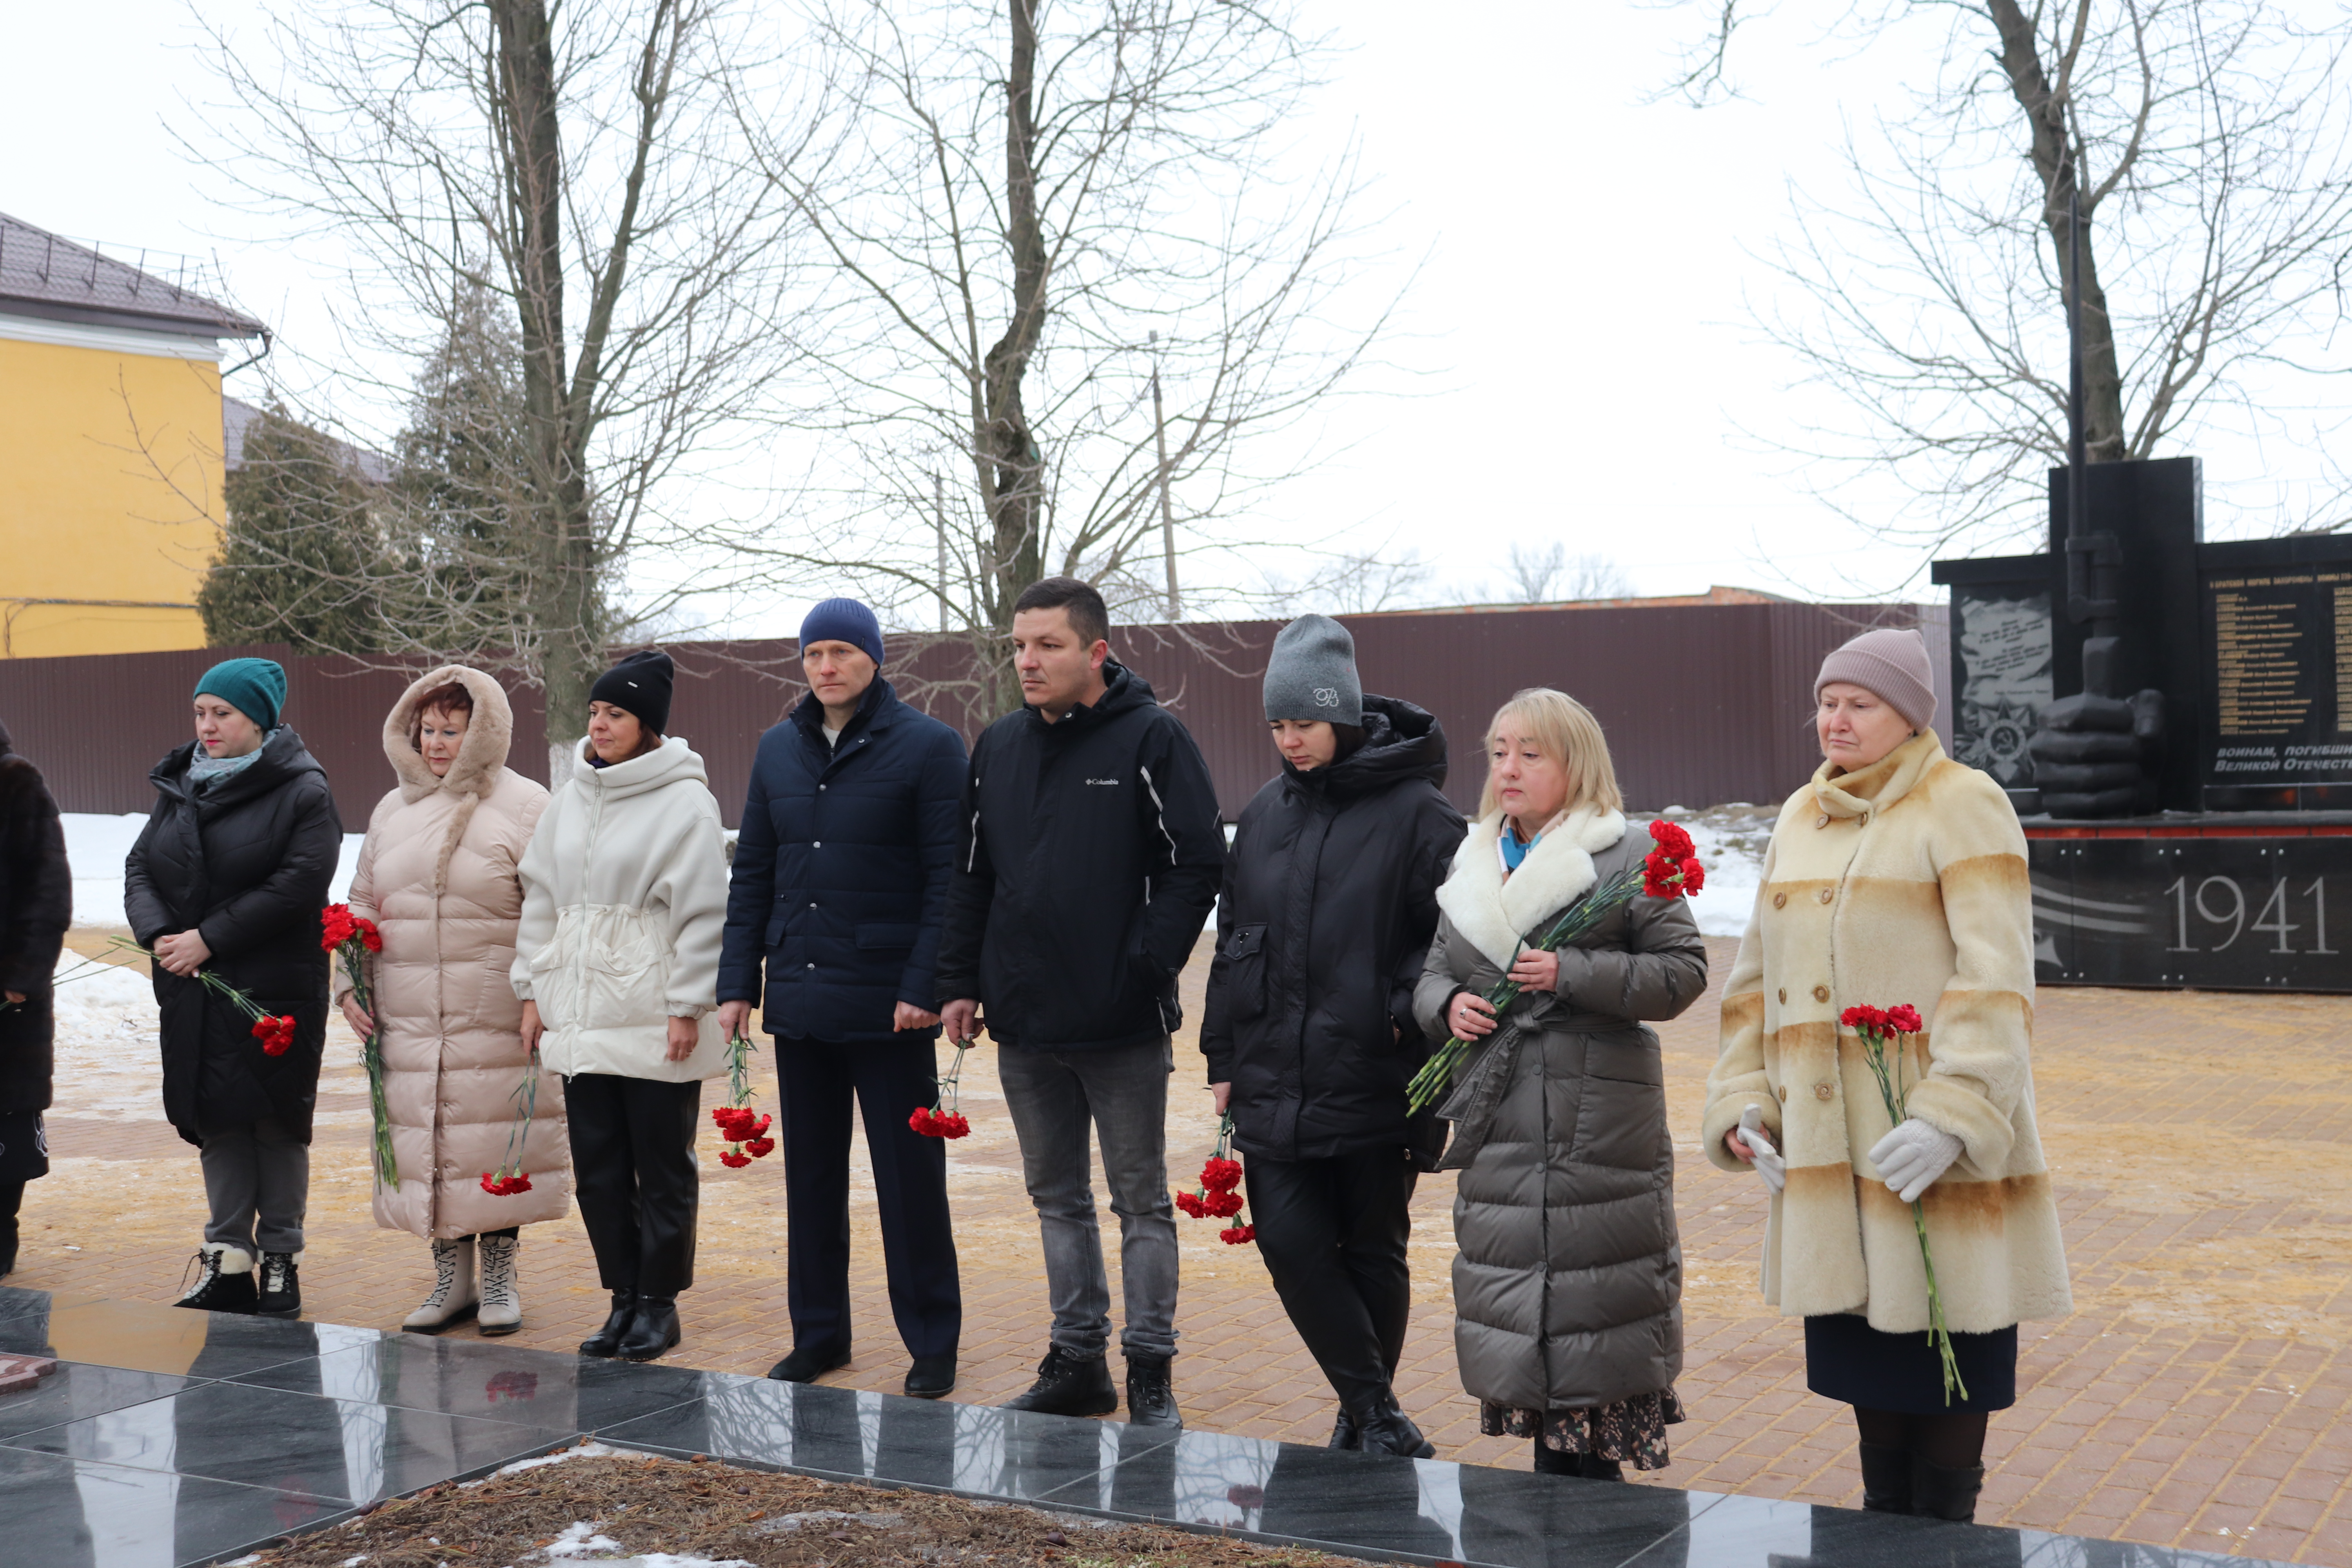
x=253, y=687
x=844, y=620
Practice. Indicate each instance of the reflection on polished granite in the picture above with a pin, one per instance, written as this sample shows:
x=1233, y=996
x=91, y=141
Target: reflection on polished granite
x=171, y=1436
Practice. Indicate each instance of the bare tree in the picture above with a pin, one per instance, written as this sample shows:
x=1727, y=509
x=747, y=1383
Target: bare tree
x=1037, y=215
x=1550, y=575
x=574, y=166
x=2200, y=145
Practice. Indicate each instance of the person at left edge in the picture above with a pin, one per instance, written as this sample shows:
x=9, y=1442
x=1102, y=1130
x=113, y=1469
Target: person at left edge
x=616, y=962
x=850, y=831
x=35, y=907
x=230, y=874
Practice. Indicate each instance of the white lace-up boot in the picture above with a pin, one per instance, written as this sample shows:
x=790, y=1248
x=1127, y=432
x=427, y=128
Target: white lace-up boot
x=453, y=1297
x=501, y=1285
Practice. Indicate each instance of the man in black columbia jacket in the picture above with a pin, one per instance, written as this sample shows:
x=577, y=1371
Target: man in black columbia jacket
x=1092, y=856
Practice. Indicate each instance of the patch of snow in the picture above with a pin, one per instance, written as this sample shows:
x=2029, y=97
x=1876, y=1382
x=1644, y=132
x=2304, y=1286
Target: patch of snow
x=580, y=1451
x=96, y=845
x=580, y=1538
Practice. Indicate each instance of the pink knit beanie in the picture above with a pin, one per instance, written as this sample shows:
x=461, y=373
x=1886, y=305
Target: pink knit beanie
x=1892, y=663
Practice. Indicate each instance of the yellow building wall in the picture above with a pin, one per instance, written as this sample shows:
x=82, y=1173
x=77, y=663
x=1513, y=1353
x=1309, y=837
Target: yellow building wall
x=109, y=490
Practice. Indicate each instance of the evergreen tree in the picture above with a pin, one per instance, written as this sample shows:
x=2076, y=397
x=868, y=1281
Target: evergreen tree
x=299, y=555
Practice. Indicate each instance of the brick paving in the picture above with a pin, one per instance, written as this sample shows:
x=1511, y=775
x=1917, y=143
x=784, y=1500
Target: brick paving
x=2198, y=1396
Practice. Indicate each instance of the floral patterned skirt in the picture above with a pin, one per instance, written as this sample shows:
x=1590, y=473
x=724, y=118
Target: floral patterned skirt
x=1631, y=1431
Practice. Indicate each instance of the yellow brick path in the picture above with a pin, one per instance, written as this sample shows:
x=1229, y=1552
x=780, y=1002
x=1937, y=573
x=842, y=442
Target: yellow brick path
x=2198, y=1397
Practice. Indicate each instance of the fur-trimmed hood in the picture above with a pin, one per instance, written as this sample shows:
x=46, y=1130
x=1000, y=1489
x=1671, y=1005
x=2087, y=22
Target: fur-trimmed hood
x=489, y=734
x=1496, y=915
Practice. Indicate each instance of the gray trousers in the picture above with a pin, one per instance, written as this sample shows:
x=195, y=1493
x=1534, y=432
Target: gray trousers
x=256, y=1174
x=1123, y=1095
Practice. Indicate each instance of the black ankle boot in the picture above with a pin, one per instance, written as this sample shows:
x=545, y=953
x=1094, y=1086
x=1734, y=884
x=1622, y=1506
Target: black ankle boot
x=1940, y=1493
x=1387, y=1429
x=1152, y=1392
x=652, y=1331
x=1344, y=1434
x=278, y=1292
x=1885, y=1478
x=1068, y=1386
x=224, y=1281
x=606, y=1341
x=1552, y=1461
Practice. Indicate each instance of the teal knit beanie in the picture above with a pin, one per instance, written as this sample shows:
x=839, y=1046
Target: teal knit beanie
x=253, y=687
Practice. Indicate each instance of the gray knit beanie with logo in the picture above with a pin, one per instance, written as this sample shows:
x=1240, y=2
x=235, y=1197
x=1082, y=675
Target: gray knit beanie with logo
x=1891, y=662
x=1312, y=673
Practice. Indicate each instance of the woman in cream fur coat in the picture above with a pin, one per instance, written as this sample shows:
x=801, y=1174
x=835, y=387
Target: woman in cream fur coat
x=437, y=874
x=1568, y=1284
x=1896, y=875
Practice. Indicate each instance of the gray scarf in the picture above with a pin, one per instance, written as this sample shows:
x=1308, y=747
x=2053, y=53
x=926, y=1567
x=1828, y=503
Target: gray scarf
x=204, y=770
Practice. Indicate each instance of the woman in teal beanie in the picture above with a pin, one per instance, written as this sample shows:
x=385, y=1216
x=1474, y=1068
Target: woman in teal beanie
x=230, y=876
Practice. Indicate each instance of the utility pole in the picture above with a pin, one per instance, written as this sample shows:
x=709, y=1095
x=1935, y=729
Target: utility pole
x=1167, y=514
x=939, y=526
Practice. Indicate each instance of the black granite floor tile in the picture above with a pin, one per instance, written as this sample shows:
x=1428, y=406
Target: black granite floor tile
x=17, y=1303
x=335, y=1449
x=889, y=1440
x=76, y=1390
x=144, y=1336
x=1761, y=1533
x=499, y=1383
x=73, y=1513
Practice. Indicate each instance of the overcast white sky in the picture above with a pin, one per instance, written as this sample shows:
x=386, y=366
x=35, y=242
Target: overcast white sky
x=1584, y=320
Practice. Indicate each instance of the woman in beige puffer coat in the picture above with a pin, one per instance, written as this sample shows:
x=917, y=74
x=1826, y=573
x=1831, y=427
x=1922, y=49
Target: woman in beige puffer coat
x=437, y=874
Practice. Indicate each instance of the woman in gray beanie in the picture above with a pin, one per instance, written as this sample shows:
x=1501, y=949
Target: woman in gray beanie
x=1329, y=899
x=1895, y=878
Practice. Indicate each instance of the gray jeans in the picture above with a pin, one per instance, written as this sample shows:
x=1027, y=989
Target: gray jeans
x=259, y=1171
x=1124, y=1094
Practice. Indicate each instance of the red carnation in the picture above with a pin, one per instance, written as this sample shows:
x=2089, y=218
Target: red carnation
x=732, y=1161
x=1694, y=876
x=760, y=1148
x=1222, y=1206
x=1238, y=1235
x=1904, y=1019
x=505, y=1187
x=921, y=1120
x=1191, y=1205
x=952, y=1125
x=1864, y=1020
x=371, y=938
x=1221, y=1175
x=1672, y=839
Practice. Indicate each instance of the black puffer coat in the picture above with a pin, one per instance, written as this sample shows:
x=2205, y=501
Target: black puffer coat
x=247, y=863
x=1330, y=899
x=35, y=907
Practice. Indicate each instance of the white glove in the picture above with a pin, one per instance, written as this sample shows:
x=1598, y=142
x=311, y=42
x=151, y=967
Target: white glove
x=1912, y=1156
x=1769, y=1163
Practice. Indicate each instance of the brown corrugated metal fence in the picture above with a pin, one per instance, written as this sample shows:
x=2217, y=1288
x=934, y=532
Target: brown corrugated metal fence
x=1703, y=703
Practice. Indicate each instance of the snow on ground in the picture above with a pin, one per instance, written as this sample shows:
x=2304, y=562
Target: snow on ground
x=1730, y=841
x=96, y=845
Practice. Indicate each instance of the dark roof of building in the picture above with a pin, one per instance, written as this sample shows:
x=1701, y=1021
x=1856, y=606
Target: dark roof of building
x=47, y=277
x=238, y=416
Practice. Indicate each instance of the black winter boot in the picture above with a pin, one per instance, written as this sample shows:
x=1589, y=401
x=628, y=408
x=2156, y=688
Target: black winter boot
x=1387, y=1429
x=1068, y=1386
x=278, y=1291
x=1152, y=1392
x=606, y=1341
x=1344, y=1434
x=1885, y=1478
x=653, y=1331
x=225, y=1280
x=1940, y=1493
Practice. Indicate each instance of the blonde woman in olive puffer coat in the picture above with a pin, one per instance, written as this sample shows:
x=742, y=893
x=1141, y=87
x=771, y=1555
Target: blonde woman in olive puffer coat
x=437, y=874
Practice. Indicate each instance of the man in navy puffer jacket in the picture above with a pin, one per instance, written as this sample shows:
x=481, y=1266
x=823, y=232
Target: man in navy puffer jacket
x=850, y=833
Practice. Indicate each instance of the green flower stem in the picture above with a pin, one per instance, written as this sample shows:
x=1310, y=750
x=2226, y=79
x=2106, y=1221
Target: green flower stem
x=354, y=952
x=1892, y=1089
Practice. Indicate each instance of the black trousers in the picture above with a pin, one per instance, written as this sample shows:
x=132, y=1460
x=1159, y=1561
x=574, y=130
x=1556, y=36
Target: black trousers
x=816, y=1080
x=632, y=1171
x=1333, y=1234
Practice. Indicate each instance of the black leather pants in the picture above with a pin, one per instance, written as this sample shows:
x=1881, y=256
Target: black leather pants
x=1333, y=1235
x=632, y=1171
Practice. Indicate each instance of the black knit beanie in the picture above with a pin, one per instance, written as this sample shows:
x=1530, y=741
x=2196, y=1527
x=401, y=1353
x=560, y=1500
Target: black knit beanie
x=639, y=686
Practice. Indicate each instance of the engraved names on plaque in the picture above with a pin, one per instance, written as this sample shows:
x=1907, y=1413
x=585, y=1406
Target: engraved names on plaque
x=2279, y=682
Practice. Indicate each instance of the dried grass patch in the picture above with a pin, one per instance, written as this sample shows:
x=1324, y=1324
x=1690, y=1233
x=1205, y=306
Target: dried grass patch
x=708, y=1510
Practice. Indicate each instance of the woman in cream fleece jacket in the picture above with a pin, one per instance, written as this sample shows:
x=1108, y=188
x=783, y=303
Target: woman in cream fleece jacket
x=1896, y=875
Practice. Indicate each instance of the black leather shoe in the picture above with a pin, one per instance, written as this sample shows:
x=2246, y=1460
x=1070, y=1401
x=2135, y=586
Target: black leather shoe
x=1069, y=1386
x=1386, y=1429
x=1344, y=1434
x=606, y=1341
x=931, y=1377
x=1151, y=1394
x=1885, y=1478
x=807, y=1364
x=652, y=1331
x=1938, y=1492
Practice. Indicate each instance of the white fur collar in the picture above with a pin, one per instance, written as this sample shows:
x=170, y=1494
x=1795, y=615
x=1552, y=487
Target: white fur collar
x=1495, y=915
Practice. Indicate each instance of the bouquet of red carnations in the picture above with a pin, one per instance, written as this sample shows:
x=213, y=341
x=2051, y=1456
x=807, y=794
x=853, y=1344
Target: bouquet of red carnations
x=275, y=1031
x=1879, y=1027
x=1219, y=1195
x=740, y=1122
x=941, y=1118
x=353, y=938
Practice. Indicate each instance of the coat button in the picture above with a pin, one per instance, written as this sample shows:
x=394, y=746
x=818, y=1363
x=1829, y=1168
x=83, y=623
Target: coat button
x=1828, y=893
x=812, y=903
x=1783, y=1092
x=1821, y=993
x=811, y=966
x=819, y=788
x=1784, y=994
x=1779, y=901
x=817, y=844
x=1822, y=1091
x=1822, y=820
